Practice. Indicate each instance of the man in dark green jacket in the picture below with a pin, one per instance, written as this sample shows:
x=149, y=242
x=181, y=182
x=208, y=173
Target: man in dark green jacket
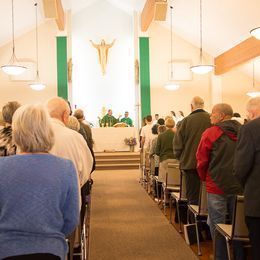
x=185, y=145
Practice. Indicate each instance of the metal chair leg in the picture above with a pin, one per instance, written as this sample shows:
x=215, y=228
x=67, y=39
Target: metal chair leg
x=197, y=235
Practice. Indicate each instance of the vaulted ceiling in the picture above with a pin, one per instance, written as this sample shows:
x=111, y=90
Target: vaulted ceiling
x=225, y=22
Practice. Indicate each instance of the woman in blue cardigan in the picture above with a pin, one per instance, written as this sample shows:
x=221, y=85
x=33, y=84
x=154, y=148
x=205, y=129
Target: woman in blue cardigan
x=39, y=199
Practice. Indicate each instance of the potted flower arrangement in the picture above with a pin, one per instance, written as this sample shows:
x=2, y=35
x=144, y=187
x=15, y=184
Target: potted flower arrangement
x=131, y=142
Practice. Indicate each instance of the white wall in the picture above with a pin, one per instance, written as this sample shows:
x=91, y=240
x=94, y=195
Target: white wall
x=162, y=100
x=91, y=90
x=25, y=50
x=230, y=87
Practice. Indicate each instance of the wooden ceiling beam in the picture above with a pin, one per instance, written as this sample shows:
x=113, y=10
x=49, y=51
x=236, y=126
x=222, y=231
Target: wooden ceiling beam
x=147, y=14
x=153, y=9
x=237, y=55
x=54, y=9
x=160, y=10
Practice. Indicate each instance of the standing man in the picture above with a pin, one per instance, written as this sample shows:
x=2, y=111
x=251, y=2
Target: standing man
x=68, y=143
x=156, y=117
x=215, y=157
x=185, y=144
x=127, y=119
x=109, y=119
x=247, y=170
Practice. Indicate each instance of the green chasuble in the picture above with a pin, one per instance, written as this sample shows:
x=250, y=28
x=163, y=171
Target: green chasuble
x=108, y=120
x=127, y=120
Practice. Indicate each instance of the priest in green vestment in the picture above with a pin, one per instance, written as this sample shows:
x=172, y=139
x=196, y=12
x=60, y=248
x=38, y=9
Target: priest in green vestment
x=127, y=119
x=108, y=120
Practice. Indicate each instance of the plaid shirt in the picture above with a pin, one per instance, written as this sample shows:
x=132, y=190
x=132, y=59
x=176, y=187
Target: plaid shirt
x=7, y=147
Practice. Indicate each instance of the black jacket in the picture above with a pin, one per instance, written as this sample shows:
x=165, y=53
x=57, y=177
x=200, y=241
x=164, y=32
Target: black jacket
x=247, y=165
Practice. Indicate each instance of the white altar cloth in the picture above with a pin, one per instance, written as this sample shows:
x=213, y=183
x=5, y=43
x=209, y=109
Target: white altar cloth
x=112, y=138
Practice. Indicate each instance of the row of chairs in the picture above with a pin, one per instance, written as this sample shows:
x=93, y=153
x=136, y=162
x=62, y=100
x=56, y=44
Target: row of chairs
x=81, y=234
x=174, y=184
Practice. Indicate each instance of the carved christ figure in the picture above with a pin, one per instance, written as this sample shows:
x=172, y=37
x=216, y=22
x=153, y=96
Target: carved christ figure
x=103, y=53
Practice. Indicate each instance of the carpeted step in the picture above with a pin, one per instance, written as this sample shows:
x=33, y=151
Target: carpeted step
x=111, y=166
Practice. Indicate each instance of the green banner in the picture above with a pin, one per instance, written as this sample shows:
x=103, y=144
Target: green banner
x=62, y=68
x=144, y=76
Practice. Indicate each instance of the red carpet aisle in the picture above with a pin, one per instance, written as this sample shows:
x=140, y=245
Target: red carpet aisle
x=127, y=224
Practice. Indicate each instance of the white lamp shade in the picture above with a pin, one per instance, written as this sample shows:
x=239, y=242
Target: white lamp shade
x=13, y=69
x=172, y=86
x=253, y=93
x=37, y=86
x=201, y=69
x=256, y=33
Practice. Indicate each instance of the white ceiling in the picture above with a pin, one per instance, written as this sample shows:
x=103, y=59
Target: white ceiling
x=225, y=22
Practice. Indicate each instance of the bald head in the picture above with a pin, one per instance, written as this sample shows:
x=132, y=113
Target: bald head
x=197, y=102
x=58, y=108
x=221, y=112
x=253, y=108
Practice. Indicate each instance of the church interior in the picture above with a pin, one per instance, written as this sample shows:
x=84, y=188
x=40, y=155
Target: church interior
x=137, y=57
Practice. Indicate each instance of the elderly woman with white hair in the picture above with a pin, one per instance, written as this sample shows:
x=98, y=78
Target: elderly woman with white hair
x=39, y=197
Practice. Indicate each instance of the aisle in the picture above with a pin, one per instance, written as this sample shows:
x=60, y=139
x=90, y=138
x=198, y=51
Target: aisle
x=127, y=224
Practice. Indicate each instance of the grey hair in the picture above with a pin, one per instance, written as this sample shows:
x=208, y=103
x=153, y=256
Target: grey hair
x=79, y=114
x=8, y=111
x=32, y=130
x=197, y=102
x=57, y=106
x=254, y=104
x=73, y=123
x=224, y=108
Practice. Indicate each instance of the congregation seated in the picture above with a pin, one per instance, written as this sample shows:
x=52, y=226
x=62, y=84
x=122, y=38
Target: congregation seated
x=39, y=192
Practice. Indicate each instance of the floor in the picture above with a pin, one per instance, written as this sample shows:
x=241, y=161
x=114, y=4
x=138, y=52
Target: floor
x=127, y=224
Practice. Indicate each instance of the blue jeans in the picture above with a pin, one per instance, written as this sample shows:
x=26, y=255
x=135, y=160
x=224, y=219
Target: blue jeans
x=219, y=206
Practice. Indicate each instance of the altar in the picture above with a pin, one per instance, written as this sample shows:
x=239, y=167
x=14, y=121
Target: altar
x=112, y=138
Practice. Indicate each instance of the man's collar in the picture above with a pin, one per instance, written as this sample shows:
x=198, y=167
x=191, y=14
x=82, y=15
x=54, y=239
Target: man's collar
x=57, y=121
x=197, y=110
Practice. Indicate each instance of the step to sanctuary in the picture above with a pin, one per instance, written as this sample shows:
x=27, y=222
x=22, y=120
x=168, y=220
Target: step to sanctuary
x=117, y=160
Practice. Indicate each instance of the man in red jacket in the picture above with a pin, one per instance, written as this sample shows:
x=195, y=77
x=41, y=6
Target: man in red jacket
x=215, y=155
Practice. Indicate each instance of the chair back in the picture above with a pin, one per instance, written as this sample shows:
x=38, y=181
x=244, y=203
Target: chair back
x=173, y=174
x=239, y=227
x=203, y=201
x=183, y=194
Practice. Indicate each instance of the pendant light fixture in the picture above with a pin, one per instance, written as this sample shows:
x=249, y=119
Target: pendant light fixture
x=37, y=85
x=253, y=92
x=171, y=85
x=13, y=67
x=201, y=68
x=256, y=33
